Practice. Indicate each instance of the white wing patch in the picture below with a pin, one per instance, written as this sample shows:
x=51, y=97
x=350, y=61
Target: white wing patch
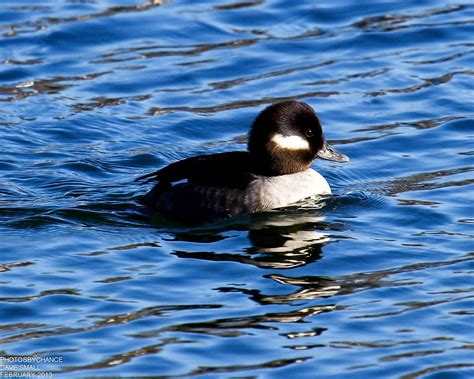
x=291, y=142
x=182, y=181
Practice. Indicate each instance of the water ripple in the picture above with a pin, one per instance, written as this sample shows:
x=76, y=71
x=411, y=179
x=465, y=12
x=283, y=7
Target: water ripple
x=373, y=281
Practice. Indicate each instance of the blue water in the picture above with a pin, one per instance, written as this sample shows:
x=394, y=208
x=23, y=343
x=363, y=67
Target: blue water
x=374, y=282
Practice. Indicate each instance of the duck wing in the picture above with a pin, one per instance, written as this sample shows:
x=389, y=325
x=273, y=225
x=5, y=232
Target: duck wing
x=232, y=170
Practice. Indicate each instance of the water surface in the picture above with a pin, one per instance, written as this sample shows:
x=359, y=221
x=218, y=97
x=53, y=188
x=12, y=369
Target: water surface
x=375, y=281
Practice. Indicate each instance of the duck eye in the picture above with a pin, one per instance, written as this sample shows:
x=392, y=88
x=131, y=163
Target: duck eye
x=309, y=133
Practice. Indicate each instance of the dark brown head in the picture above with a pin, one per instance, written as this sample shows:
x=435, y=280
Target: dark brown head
x=286, y=137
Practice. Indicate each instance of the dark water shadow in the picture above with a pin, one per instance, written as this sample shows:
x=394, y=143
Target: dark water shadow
x=280, y=239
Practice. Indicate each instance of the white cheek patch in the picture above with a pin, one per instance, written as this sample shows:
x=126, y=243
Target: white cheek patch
x=290, y=142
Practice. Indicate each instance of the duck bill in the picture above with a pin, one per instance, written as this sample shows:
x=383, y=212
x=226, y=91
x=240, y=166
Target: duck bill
x=329, y=153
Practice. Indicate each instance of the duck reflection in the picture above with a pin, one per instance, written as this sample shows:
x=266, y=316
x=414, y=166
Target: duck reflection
x=280, y=239
x=310, y=287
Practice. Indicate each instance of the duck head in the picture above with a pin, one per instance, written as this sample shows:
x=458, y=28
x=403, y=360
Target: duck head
x=286, y=137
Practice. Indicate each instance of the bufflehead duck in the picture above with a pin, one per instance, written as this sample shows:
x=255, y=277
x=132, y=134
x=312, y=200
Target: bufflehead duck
x=284, y=140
